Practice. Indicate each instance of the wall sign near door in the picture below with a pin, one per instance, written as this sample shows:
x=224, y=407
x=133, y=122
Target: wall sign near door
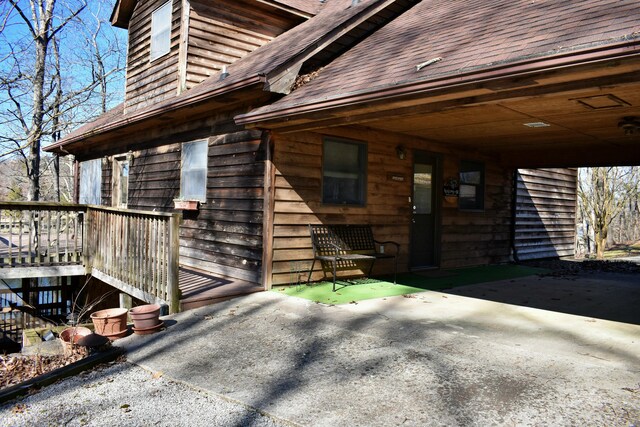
x=395, y=177
x=451, y=188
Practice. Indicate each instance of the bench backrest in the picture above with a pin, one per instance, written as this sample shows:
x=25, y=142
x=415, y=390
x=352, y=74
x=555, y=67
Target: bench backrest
x=349, y=239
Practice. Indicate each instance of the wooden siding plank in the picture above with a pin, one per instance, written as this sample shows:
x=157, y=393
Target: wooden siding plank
x=545, y=213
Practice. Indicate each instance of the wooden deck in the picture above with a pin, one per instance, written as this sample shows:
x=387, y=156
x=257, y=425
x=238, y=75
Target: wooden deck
x=200, y=288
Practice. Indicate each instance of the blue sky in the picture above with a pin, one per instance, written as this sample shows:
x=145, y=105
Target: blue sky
x=16, y=46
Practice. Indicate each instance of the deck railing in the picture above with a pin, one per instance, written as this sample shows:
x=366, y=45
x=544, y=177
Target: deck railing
x=43, y=234
x=136, y=248
x=135, y=251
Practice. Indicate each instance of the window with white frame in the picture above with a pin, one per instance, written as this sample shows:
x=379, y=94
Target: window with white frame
x=160, y=31
x=193, y=175
x=91, y=182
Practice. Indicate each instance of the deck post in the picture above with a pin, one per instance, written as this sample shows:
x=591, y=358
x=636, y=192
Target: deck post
x=173, y=291
x=87, y=246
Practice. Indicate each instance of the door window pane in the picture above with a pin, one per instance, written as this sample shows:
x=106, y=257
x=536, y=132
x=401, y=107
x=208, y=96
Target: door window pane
x=422, y=189
x=120, y=182
x=344, y=172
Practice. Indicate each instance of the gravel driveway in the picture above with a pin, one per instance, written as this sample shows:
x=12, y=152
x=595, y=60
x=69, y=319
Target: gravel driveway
x=123, y=394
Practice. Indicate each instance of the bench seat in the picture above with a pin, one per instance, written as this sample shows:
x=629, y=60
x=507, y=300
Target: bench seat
x=341, y=247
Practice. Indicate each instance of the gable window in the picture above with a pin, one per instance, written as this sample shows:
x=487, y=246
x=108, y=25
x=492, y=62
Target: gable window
x=344, y=172
x=120, y=197
x=160, y=31
x=193, y=175
x=471, y=185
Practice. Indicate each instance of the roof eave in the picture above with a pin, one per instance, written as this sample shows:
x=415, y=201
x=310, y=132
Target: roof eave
x=122, y=12
x=59, y=147
x=288, y=9
x=502, y=71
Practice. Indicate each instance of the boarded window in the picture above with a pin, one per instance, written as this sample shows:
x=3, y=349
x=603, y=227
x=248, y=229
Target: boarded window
x=471, y=185
x=91, y=182
x=161, y=31
x=193, y=176
x=120, y=182
x=344, y=171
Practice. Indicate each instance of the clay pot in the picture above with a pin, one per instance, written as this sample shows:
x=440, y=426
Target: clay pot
x=71, y=336
x=145, y=316
x=111, y=323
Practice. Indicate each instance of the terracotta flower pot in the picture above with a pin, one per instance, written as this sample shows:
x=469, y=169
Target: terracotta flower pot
x=71, y=336
x=145, y=316
x=111, y=323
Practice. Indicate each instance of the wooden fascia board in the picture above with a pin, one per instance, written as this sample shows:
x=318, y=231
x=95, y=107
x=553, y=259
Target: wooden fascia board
x=281, y=78
x=122, y=12
x=64, y=145
x=288, y=9
x=606, y=155
x=390, y=96
x=438, y=101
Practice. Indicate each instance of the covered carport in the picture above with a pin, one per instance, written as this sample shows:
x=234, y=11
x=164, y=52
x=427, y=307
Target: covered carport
x=553, y=85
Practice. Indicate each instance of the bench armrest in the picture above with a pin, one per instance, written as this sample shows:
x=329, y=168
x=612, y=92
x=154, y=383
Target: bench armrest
x=336, y=247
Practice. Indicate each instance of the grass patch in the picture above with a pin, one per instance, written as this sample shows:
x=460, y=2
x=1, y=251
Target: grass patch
x=408, y=283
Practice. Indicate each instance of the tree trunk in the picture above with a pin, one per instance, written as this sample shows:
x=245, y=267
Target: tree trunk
x=601, y=241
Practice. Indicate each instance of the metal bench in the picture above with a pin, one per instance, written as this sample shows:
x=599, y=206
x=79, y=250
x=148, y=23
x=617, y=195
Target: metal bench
x=348, y=247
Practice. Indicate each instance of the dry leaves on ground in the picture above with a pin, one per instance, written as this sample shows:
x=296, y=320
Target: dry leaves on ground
x=15, y=369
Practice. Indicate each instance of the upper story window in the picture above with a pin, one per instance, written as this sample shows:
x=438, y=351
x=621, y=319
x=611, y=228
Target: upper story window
x=193, y=175
x=160, y=31
x=344, y=172
x=471, y=185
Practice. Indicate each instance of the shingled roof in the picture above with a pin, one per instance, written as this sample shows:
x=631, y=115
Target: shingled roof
x=259, y=66
x=462, y=37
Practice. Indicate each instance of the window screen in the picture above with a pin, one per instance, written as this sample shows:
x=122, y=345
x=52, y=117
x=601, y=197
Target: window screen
x=344, y=172
x=160, y=31
x=193, y=177
x=91, y=182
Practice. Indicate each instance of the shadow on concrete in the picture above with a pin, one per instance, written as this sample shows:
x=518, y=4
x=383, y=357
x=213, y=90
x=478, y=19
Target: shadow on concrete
x=608, y=290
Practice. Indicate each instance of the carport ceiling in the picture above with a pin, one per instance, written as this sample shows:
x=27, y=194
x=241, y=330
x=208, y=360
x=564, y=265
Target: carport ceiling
x=528, y=131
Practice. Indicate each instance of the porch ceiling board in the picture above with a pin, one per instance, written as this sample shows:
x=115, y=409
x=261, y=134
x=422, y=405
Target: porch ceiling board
x=500, y=128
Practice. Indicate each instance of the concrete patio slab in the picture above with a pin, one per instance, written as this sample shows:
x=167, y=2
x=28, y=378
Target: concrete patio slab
x=431, y=359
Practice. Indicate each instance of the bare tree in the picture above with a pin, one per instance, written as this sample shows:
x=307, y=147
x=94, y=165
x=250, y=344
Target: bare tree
x=42, y=26
x=53, y=76
x=603, y=193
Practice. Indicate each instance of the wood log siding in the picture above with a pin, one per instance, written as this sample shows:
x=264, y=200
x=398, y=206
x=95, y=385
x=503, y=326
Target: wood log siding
x=468, y=238
x=220, y=36
x=545, y=213
x=225, y=236
x=150, y=82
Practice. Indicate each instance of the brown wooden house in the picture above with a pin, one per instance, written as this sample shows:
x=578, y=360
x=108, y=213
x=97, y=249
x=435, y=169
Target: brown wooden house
x=411, y=116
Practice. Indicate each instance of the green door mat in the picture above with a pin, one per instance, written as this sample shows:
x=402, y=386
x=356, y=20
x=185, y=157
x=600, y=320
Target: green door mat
x=408, y=283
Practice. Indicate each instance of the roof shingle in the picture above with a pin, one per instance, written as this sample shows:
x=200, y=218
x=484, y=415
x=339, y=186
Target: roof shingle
x=468, y=35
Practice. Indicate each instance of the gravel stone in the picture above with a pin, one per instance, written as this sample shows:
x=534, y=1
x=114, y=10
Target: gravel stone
x=122, y=394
